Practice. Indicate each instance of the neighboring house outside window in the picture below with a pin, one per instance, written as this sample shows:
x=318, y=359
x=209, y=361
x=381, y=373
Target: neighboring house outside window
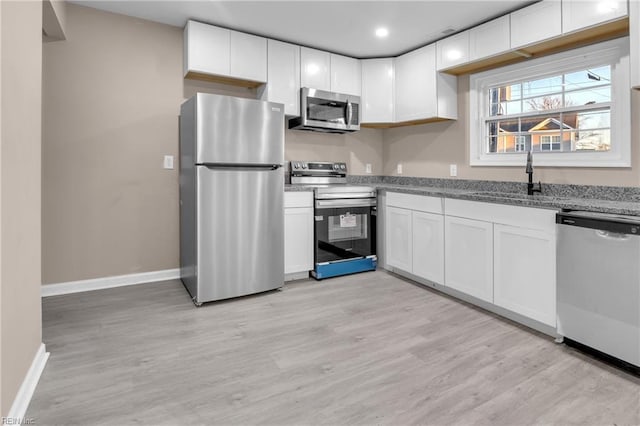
x=572, y=107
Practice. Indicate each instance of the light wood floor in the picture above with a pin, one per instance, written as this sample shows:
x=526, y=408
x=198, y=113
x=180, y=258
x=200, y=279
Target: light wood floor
x=365, y=349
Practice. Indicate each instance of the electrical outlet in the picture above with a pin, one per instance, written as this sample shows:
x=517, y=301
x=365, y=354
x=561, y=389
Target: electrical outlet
x=453, y=170
x=399, y=168
x=367, y=168
x=168, y=162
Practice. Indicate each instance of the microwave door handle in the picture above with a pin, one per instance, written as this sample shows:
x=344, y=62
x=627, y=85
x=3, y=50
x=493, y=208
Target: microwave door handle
x=349, y=113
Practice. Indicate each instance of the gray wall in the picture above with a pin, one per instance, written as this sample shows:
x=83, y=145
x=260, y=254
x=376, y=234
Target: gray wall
x=20, y=137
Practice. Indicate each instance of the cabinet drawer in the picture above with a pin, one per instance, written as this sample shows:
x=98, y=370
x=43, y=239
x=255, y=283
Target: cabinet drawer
x=298, y=199
x=523, y=217
x=421, y=203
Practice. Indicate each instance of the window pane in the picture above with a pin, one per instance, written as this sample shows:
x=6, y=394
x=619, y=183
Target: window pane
x=492, y=144
x=589, y=96
x=591, y=140
x=544, y=86
x=587, y=78
x=593, y=120
x=542, y=103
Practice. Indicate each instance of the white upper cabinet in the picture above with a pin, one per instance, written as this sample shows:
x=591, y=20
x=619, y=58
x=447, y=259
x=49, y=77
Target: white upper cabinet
x=248, y=56
x=378, y=90
x=579, y=14
x=453, y=51
x=416, y=84
x=206, y=49
x=283, y=82
x=536, y=23
x=214, y=51
x=490, y=39
x=346, y=74
x=634, y=35
x=314, y=69
x=421, y=91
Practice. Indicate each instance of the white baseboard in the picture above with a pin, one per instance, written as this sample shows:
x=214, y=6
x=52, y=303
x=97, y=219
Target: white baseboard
x=109, y=282
x=28, y=387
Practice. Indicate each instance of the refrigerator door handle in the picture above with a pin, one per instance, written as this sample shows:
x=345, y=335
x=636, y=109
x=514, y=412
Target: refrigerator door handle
x=236, y=166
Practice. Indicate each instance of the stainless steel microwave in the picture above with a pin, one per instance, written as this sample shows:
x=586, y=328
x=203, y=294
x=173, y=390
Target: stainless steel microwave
x=327, y=112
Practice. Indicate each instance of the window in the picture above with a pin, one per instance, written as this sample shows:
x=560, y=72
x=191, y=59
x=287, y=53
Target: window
x=550, y=143
x=573, y=108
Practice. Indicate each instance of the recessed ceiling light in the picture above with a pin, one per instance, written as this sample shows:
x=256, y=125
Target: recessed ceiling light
x=382, y=32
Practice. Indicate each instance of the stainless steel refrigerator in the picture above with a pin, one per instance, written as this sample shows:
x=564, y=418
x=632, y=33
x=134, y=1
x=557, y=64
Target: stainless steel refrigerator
x=231, y=196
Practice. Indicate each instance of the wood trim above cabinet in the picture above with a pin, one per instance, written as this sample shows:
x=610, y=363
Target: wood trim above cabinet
x=222, y=79
x=403, y=123
x=604, y=32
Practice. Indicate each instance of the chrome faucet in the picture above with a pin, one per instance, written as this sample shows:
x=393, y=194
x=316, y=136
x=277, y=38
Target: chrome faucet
x=531, y=189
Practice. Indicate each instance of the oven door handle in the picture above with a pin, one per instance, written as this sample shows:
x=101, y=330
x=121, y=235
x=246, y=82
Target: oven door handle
x=345, y=195
x=345, y=203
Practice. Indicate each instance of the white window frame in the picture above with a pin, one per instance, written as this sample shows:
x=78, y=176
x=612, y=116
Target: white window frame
x=614, y=52
x=520, y=141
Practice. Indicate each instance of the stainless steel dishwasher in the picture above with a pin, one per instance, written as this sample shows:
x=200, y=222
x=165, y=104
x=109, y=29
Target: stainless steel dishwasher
x=598, y=283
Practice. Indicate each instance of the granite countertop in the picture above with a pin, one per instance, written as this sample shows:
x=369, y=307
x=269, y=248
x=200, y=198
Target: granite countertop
x=491, y=195
x=521, y=199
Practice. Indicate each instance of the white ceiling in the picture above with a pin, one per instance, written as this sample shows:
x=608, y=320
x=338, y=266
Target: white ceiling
x=345, y=27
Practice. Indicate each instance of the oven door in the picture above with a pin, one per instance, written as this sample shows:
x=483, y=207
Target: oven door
x=344, y=229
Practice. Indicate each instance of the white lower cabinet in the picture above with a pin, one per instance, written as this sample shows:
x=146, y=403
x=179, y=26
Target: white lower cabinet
x=525, y=269
x=428, y=245
x=298, y=233
x=415, y=235
x=399, y=238
x=500, y=254
x=469, y=256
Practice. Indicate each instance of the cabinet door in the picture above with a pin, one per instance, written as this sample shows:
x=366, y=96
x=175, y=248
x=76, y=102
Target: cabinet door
x=415, y=81
x=398, y=238
x=298, y=239
x=453, y=51
x=525, y=272
x=283, y=76
x=314, y=69
x=469, y=257
x=634, y=35
x=536, y=23
x=489, y=39
x=579, y=14
x=206, y=49
x=346, y=75
x=428, y=246
x=248, y=57
x=378, y=91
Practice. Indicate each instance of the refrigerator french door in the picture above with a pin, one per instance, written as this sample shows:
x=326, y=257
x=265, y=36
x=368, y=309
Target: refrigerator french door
x=231, y=197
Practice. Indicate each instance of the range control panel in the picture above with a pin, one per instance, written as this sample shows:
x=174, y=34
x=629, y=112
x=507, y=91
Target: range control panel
x=319, y=167
x=317, y=172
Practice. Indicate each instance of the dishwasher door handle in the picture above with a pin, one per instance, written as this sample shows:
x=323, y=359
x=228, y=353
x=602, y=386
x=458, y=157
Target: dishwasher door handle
x=612, y=236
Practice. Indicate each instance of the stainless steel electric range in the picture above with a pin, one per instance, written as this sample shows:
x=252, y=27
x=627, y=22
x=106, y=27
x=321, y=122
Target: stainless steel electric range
x=345, y=219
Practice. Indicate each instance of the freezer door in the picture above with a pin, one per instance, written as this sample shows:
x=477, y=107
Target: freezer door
x=240, y=231
x=238, y=131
